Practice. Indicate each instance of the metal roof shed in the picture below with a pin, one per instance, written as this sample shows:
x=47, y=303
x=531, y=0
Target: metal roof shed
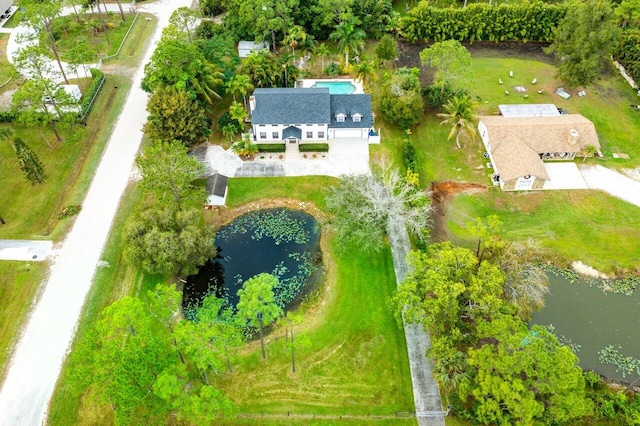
x=245, y=47
x=528, y=110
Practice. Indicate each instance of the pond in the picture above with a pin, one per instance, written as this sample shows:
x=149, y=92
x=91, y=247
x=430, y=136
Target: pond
x=593, y=319
x=282, y=242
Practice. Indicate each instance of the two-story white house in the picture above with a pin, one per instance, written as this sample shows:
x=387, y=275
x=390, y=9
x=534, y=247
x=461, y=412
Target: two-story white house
x=308, y=115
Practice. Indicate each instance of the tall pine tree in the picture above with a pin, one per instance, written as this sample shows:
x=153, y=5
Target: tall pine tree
x=30, y=164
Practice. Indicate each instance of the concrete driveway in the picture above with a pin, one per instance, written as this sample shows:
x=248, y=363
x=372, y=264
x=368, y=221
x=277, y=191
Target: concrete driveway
x=34, y=251
x=345, y=157
x=564, y=176
x=616, y=184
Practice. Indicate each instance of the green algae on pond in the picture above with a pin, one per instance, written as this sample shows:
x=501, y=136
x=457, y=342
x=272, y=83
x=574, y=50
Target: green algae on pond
x=282, y=242
x=593, y=319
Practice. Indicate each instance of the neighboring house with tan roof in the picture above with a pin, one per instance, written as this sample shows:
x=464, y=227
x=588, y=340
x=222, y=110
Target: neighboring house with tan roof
x=518, y=146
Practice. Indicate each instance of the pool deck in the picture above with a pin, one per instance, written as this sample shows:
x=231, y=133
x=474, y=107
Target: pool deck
x=308, y=83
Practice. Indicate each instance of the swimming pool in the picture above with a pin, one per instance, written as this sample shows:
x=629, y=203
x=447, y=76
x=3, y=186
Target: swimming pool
x=337, y=87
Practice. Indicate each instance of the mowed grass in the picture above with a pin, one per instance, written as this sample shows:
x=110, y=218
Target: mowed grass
x=590, y=226
x=5, y=68
x=19, y=282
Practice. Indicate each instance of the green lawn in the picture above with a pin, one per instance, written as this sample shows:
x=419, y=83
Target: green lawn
x=19, y=282
x=590, y=226
x=5, y=68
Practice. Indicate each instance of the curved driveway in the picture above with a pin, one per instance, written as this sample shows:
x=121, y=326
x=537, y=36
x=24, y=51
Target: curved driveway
x=39, y=355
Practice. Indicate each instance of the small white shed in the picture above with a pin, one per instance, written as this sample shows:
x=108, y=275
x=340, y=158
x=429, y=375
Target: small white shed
x=72, y=90
x=245, y=47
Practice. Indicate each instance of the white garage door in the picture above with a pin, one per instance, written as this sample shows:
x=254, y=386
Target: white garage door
x=348, y=133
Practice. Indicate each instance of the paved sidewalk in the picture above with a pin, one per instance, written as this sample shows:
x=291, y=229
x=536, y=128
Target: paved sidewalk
x=612, y=182
x=426, y=394
x=33, y=251
x=36, y=363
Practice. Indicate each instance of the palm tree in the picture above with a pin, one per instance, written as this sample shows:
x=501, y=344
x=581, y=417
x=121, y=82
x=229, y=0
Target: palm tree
x=349, y=38
x=295, y=36
x=460, y=113
x=321, y=50
x=205, y=80
x=365, y=72
x=240, y=84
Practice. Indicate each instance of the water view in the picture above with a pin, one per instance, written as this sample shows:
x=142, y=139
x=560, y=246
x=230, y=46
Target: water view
x=285, y=243
x=593, y=319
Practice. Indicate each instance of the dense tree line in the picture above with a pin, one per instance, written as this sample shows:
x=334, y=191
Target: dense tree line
x=481, y=21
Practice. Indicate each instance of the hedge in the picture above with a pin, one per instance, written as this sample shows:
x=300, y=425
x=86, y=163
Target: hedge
x=628, y=53
x=314, y=147
x=7, y=116
x=271, y=147
x=483, y=22
x=92, y=91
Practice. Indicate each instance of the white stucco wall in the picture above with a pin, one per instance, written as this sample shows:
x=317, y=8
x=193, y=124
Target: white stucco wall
x=269, y=130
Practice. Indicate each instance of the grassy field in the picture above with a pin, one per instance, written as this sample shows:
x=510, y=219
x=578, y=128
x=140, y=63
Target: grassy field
x=19, y=282
x=5, y=69
x=593, y=227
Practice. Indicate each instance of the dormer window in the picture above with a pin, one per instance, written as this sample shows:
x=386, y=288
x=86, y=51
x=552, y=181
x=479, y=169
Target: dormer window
x=340, y=118
x=356, y=117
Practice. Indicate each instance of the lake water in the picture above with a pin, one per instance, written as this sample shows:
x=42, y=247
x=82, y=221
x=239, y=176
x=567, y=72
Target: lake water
x=282, y=242
x=594, y=320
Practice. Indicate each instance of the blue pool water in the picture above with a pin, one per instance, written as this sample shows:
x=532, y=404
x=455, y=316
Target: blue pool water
x=337, y=87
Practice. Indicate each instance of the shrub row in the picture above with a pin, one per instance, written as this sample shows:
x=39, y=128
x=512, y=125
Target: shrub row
x=7, y=116
x=92, y=91
x=480, y=21
x=314, y=147
x=628, y=53
x=271, y=147
x=409, y=155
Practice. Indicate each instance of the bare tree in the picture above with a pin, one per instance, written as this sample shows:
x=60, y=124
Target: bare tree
x=363, y=204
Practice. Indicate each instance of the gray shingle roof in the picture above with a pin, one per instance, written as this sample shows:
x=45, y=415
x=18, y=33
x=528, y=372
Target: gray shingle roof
x=291, y=106
x=349, y=105
x=292, y=132
x=217, y=185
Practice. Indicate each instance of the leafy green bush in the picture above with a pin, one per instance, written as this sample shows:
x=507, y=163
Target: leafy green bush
x=7, y=117
x=433, y=98
x=225, y=119
x=96, y=85
x=314, y=147
x=628, y=53
x=481, y=21
x=271, y=147
x=409, y=155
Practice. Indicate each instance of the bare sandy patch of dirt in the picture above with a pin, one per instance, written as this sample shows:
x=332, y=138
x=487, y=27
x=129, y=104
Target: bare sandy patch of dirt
x=441, y=192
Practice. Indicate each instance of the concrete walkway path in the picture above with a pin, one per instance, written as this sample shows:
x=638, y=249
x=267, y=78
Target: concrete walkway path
x=426, y=394
x=612, y=182
x=33, y=251
x=36, y=363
